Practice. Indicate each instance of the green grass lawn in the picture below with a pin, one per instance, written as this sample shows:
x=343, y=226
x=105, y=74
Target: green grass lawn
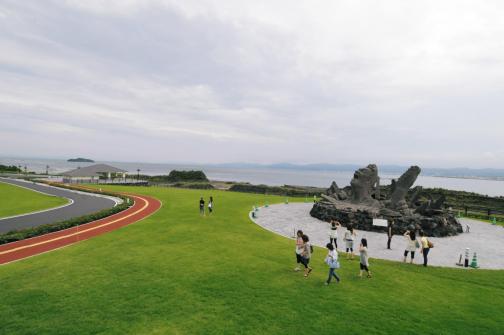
x=17, y=200
x=179, y=273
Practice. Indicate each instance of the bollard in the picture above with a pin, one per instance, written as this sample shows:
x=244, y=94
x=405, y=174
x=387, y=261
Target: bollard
x=466, y=260
x=474, y=262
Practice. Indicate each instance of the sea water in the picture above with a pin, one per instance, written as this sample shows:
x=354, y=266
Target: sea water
x=268, y=176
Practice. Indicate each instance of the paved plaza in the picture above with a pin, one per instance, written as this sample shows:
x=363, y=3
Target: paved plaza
x=485, y=239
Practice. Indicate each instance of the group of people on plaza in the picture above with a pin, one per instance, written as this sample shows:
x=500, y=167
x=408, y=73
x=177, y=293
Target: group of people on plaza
x=412, y=243
x=304, y=249
x=304, y=252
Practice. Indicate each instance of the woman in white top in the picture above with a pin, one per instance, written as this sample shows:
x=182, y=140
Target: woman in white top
x=210, y=205
x=306, y=255
x=333, y=233
x=350, y=236
x=299, y=249
x=411, y=245
x=332, y=261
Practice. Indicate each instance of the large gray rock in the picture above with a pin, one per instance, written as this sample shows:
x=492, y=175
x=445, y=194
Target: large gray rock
x=364, y=205
x=401, y=187
x=364, y=184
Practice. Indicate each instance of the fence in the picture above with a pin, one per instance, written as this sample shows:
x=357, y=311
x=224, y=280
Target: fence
x=482, y=213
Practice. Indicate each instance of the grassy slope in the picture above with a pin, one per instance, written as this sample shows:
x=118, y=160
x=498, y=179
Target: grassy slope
x=177, y=273
x=16, y=200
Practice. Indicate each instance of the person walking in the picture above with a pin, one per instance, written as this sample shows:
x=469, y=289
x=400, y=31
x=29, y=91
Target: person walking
x=389, y=233
x=426, y=245
x=210, y=206
x=299, y=249
x=306, y=255
x=202, y=207
x=411, y=245
x=332, y=261
x=350, y=236
x=333, y=233
x=364, y=260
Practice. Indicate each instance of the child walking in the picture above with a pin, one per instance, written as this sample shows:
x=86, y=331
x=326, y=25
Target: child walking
x=332, y=261
x=364, y=261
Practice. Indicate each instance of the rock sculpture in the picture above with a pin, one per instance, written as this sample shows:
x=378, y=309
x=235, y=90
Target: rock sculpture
x=401, y=187
x=360, y=203
x=364, y=184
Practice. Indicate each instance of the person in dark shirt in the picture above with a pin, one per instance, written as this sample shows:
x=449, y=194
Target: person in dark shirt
x=202, y=206
x=389, y=233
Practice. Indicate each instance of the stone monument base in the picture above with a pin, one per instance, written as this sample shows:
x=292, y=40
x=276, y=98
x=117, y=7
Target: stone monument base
x=361, y=217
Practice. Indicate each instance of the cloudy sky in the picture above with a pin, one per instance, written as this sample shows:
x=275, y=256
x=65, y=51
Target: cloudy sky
x=395, y=82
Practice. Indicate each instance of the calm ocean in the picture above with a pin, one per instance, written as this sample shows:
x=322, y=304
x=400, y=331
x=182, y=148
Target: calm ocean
x=264, y=175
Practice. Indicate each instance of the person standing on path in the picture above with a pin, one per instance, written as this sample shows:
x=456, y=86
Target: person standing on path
x=364, y=260
x=210, y=206
x=425, y=245
x=333, y=233
x=350, y=236
x=202, y=207
x=306, y=255
x=411, y=245
x=389, y=233
x=332, y=261
x=299, y=249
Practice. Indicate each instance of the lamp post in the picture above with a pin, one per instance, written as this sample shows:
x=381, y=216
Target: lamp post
x=138, y=175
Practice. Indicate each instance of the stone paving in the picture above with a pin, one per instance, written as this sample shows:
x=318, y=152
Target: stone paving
x=485, y=239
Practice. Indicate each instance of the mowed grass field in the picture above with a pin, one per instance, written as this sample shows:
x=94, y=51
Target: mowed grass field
x=17, y=200
x=178, y=273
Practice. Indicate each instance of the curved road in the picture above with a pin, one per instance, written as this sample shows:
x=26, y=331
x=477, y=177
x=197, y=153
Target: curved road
x=83, y=204
x=143, y=207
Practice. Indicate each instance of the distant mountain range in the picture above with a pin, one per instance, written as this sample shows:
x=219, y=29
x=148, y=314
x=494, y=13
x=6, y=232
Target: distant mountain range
x=384, y=169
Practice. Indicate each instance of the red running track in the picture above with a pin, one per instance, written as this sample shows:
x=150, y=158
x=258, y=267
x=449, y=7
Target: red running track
x=142, y=208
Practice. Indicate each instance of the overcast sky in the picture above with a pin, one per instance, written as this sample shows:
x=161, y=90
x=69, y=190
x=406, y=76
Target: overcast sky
x=389, y=82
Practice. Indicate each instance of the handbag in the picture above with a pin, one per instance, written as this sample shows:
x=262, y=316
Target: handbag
x=333, y=264
x=430, y=244
x=417, y=244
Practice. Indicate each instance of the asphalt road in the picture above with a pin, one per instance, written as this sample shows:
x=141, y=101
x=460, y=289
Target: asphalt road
x=83, y=204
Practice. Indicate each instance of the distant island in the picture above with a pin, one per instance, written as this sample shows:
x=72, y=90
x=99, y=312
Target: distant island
x=80, y=160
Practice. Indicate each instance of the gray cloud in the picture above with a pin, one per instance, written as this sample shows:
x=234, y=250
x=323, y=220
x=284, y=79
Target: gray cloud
x=219, y=81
